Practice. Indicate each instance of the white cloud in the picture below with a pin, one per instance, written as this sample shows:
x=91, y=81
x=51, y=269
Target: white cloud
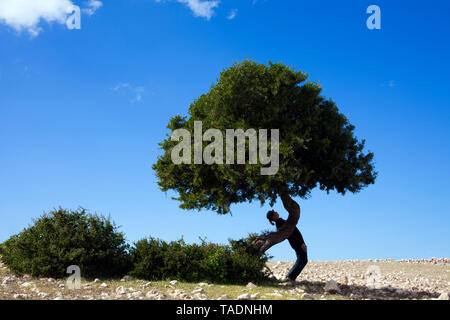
x=92, y=6
x=136, y=92
x=27, y=14
x=232, y=14
x=199, y=8
x=121, y=85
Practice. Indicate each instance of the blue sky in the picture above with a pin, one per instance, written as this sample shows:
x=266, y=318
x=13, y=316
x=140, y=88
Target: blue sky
x=82, y=112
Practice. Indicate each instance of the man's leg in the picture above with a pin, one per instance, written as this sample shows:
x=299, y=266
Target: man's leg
x=302, y=260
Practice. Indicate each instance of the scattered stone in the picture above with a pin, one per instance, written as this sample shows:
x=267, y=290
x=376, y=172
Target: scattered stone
x=198, y=290
x=152, y=294
x=9, y=280
x=121, y=290
x=332, y=287
x=299, y=290
x=244, y=296
x=306, y=296
x=136, y=294
x=444, y=296
x=26, y=284
x=200, y=296
x=203, y=284
x=393, y=282
x=127, y=278
x=274, y=294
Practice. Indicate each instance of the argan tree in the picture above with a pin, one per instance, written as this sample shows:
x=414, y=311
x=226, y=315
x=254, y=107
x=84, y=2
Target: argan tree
x=317, y=146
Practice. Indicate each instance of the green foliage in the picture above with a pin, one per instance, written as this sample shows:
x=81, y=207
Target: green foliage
x=62, y=238
x=238, y=262
x=317, y=144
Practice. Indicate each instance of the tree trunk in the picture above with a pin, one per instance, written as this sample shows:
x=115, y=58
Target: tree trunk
x=263, y=243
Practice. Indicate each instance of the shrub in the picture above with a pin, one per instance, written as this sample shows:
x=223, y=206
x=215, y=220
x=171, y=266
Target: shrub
x=62, y=238
x=154, y=259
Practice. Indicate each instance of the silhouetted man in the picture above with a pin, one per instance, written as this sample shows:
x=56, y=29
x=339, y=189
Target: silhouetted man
x=297, y=243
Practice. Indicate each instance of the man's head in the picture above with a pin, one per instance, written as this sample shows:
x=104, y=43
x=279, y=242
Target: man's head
x=272, y=215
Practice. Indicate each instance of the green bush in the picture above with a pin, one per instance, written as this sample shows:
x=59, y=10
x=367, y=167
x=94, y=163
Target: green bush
x=62, y=238
x=154, y=259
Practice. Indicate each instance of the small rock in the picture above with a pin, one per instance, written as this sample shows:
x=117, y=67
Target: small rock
x=203, y=284
x=388, y=288
x=173, y=282
x=121, y=290
x=306, y=296
x=43, y=295
x=251, y=285
x=9, y=280
x=274, y=294
x=255, y=295
x=152, y=294
x=104, y=285
x=444, y=296
x=136, y=294
x=244, y=296
x=299, y=290
x=198, y=290
x=26, y=284
x=332, y=287
x=200, y=296
x=96, y=280
x=127, y=278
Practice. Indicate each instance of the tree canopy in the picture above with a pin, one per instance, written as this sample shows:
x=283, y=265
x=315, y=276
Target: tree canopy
x=317, y=145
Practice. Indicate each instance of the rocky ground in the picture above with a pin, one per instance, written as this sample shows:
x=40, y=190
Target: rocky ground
x=369, y=279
